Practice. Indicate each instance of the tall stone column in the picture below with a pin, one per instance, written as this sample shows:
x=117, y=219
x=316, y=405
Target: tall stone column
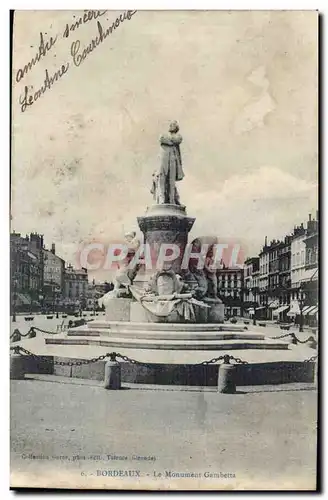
x=167, y=224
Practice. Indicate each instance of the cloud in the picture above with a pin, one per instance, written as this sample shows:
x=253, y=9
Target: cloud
x=265, y=201
x=253, y=113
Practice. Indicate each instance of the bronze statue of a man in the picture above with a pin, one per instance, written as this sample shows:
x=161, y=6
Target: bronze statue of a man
x=164, y=189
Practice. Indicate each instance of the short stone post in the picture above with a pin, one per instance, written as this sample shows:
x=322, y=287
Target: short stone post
x=16, y=336
x=227, y=377
x=112, y=379
x=17, y=366
x=31, y=334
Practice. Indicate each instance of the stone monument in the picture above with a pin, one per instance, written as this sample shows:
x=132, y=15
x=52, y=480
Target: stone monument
x=171, y=293
x=175, y=304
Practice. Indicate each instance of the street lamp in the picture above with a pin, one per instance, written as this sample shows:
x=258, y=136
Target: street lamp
x=253, y=291
x=41, y=297
x=301, y=300
x=254, y=316
x=57, y=300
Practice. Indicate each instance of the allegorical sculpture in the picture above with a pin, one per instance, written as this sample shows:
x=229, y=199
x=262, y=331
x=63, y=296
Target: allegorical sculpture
x=167, y=294
x=163, y=187
x=126, y=273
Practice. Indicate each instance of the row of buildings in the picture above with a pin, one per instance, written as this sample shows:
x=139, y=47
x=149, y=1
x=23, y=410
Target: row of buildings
x=41, y=279
x=282, y=281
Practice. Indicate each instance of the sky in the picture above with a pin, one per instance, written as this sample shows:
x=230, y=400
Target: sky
x=241, y=84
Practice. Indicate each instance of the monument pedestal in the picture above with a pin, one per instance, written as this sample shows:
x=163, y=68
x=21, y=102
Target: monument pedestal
x=215, y=313
x=118, y=309
x=138, y=314
x=166, y=224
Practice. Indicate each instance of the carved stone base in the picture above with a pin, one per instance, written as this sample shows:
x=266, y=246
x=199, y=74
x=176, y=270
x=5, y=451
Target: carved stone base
x=118, y=309
x=138, y=314
x=216, y=312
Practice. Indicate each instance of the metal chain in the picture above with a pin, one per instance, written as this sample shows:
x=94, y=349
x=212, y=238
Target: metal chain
x=226, y=358
x=16, y=331
x=305, y=341
x=312, y=359
x=211, y=361
x=293, y=335
x=131, y=360
x=45, y=331
x=283, y=336
x=32, y=329
x=19, y=350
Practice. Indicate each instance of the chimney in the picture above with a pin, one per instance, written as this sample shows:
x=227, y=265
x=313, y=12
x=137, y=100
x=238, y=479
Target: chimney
x=53, y=248
x=266, y=241
x=309, y=217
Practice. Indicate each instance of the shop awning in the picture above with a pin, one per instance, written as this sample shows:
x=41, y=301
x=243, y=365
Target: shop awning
x=279, y=310
x=313, y=311
x=307, y=309
x=251, y=310
x=22, y=299
x=261, y=307
x=274, y=304
x=310, y=275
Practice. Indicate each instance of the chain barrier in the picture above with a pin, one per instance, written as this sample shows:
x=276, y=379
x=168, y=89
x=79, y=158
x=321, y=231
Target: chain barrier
x=19, y=350
x=113, y=357
x=296, y=339
x=226, y=358
x=16, y=332
x=45, y=331
x=32, y=330
x=312, y=359
x=131, y=360
x=283, y=335
x=309, y=339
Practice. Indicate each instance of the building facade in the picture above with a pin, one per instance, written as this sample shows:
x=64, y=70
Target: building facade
x=269, y=279
x=26, y=273
x=304, y=272
x=250, y=290
x=75, y=286
x=230, y=289
x=95, y=291
x=284, y=282
x=54, y=271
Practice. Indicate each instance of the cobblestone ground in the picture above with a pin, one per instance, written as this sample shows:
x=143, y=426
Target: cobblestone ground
x=65, y=435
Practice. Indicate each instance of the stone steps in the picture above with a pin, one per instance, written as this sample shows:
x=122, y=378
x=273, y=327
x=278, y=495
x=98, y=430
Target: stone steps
x=205, y=345
x=117, y=326
x=165, y=335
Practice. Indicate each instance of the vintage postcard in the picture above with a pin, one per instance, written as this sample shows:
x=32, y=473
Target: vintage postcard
x=164, y=250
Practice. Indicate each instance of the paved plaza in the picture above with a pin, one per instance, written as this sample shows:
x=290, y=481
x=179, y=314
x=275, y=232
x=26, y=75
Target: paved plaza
x=73, y=433
x=69, y=435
